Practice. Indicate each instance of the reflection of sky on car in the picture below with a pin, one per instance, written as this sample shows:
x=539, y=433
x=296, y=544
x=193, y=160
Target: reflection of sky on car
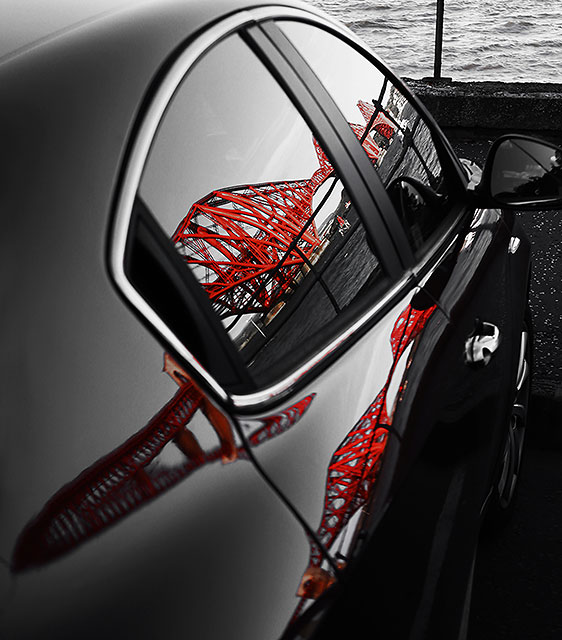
x=329, y=59
x=226, y=143
x=331, y=203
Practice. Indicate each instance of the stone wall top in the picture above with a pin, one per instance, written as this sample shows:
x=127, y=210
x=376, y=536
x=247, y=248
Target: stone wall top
x=532, y=107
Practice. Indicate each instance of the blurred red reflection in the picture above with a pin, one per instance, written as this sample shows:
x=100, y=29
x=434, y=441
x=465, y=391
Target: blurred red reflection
x=126, y=479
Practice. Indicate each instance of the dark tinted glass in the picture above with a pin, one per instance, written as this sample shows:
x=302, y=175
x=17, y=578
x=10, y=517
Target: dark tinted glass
x=526, y=171
x=252, y=204
x=394, y=135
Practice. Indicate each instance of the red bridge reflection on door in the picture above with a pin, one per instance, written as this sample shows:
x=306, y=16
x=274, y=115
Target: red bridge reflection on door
x=124, y=480
x=355, y=464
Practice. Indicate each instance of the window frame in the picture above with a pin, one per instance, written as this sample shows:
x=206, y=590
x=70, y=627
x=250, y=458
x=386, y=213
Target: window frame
x=453, y=172
x=336, y=138
x=394, y=257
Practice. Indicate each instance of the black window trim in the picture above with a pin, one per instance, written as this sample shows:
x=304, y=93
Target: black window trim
x=375, y=197
x=320, y=113
x=452, y=168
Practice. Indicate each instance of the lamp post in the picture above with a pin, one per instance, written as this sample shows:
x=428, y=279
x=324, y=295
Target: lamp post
x=438, y=39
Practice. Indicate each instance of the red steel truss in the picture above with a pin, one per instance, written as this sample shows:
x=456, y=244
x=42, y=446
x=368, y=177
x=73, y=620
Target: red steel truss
x=125, y=480
x=354, y=466
x=382, y=123
x=242, y=243
x=247, y=244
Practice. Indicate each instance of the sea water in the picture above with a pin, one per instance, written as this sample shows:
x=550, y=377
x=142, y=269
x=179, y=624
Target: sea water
x=502, y=40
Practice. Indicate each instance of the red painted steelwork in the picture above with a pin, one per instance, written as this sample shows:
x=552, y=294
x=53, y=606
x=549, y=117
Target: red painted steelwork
x=355, y=463
x=236, y=239
x=247, y=244
x=103, y=493
x=125, y=480
x=382, y=123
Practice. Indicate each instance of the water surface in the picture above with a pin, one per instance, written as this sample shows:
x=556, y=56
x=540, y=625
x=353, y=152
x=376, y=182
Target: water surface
x=505, y=40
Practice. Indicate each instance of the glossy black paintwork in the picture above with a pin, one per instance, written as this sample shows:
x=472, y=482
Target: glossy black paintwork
x=439, y=470
x=214, y=550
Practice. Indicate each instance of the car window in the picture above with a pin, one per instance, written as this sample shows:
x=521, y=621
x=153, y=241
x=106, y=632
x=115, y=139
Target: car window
x=395, y=136
x=251, y=202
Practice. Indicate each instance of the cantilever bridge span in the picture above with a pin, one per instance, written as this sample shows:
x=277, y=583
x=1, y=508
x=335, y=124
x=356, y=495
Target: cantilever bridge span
x=246, y=244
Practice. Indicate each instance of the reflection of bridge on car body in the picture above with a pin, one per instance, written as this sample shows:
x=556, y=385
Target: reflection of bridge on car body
x=134, y=474
x=128, y=477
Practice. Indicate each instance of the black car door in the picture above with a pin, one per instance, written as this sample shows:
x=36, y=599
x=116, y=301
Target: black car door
x=453, y=409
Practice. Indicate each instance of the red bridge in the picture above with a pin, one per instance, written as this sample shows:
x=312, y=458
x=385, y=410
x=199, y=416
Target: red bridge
x=246, y=244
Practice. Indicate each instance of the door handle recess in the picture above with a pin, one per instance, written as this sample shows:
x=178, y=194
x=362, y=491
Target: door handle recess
x=481, y=344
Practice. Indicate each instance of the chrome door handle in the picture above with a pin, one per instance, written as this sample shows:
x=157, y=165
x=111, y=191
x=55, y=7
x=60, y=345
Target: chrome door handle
x=481, y=344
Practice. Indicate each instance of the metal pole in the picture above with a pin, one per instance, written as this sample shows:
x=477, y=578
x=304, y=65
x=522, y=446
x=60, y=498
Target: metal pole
x=438, y=39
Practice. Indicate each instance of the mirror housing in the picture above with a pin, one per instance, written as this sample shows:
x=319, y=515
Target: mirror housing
x=522, y=172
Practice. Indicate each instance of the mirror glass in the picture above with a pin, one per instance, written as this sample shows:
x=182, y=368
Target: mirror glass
x=526, y=172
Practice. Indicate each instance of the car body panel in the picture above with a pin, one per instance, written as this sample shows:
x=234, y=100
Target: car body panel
x=96, y=378
x=107, y=528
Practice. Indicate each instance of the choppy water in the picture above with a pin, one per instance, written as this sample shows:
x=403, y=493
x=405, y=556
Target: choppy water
x=505, y=40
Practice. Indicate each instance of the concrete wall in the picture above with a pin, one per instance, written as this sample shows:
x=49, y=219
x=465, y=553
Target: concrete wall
x=497, y=106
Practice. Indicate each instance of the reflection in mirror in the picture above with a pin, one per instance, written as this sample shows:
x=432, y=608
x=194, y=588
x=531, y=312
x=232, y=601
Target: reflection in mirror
x=525, y=172
x=254, y=207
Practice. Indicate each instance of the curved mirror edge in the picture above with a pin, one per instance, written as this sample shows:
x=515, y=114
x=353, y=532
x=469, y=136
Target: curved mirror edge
x=525, y=172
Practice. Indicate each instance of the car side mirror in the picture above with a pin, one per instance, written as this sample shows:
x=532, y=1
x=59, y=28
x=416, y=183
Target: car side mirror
x=522, y=172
